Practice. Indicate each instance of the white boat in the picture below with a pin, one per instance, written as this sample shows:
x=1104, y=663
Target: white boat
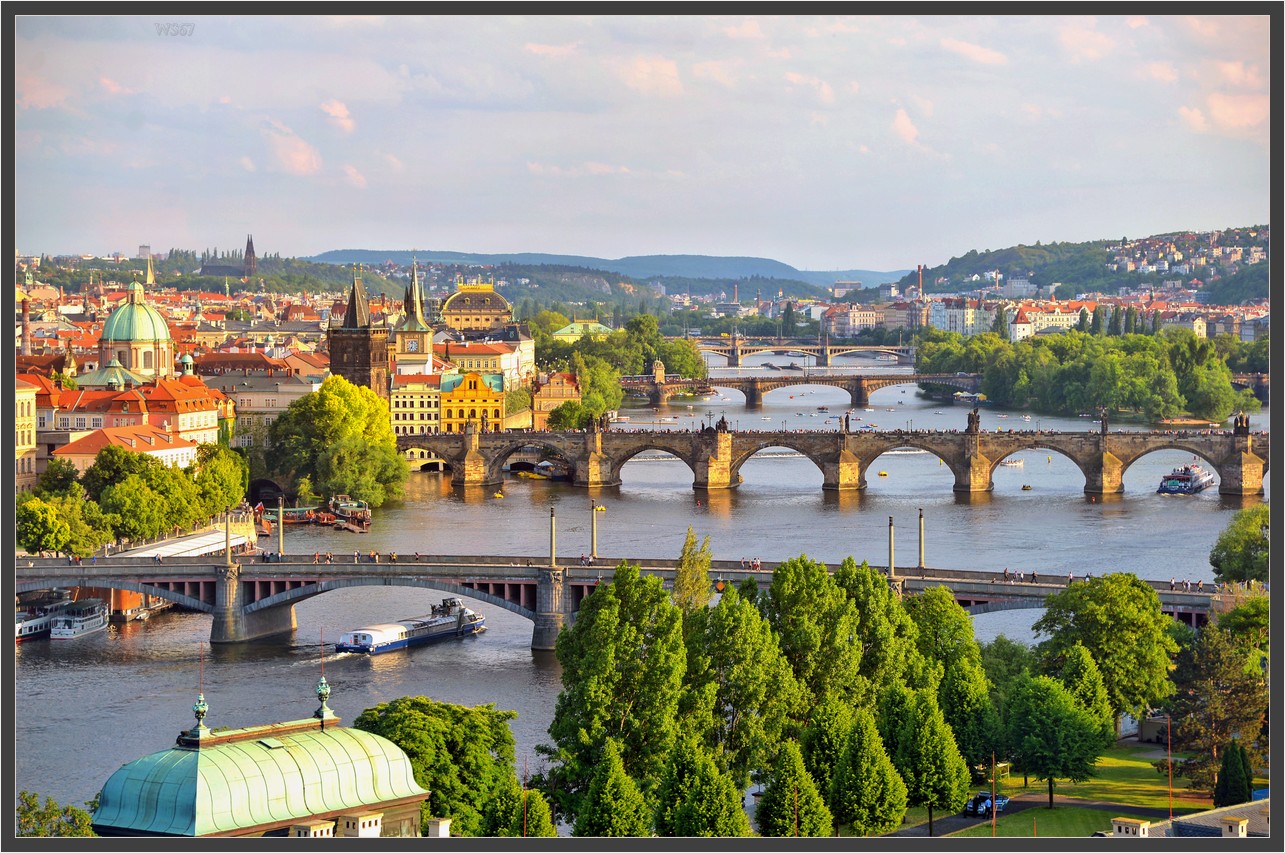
x=1013, y=463
x=36, y=618
x=449, y=619
x=78, y=619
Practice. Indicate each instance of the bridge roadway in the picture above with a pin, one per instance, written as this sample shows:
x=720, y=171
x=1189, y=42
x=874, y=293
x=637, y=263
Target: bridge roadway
x=735, y=349
x=660, y=387
x=252, y=599
x=716, y=454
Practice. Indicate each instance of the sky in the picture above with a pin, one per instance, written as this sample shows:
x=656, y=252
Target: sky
x=824, y=142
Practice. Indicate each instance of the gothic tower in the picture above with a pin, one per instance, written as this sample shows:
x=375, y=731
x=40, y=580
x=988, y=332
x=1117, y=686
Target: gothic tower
x=359, y=348
x=413, y=344
x=251, y=262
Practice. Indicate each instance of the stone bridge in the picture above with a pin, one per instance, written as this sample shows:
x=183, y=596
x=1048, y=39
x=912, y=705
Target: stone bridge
x=735, y=349
x=1256, y=382
x=253, y=600
x=716, y=455
x=858, y=386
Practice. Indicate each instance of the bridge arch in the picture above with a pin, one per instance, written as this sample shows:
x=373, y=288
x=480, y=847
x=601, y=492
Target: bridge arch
x=302, y=593
x=1179, y=444
x=496, y=457
x=263, y=489
x=777, y=440
x=618, y=462
x=133, y=586
x=1052, y=448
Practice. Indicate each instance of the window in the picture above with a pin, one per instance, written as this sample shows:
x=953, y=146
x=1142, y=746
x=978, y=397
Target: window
x=147, y=360
x=80, y=423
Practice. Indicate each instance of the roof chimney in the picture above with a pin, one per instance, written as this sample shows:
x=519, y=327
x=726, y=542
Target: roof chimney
x=26, y=325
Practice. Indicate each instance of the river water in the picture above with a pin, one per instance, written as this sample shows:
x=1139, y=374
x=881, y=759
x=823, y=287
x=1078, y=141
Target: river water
x=83, y=707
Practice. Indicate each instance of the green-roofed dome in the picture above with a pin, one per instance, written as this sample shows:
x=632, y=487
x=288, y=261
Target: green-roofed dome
x=252, y=778
x=135, y=320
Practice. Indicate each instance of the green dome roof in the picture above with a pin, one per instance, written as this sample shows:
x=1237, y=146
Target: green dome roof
x=254, y=777
x=135, y=320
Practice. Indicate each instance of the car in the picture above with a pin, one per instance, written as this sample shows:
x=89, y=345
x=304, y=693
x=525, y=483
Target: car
x=980, y=805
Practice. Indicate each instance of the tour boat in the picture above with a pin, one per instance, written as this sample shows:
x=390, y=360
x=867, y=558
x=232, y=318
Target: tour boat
x=1013, y=463
x=35, y=618
x=1185, y=480
x=449, y=619
x=293, y=515
x=78, y=619
x=345, y=507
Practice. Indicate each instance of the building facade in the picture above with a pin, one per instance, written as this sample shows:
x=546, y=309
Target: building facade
x=24, y=430
x=476, y=398
x=552, y=391
x=475, y=306
x=358, y=346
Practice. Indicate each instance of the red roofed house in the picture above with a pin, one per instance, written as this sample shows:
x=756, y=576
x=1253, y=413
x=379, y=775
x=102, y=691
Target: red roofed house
x=553, y=390
x=148, y=439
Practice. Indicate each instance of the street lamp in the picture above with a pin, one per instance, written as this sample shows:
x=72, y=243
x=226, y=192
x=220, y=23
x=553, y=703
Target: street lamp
x=594, y=509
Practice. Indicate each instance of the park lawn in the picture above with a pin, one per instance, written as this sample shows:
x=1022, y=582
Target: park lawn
x=1125, y=775
x=1060, y=822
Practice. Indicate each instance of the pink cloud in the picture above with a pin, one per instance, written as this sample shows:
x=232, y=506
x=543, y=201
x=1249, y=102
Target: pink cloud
x=247, y=164
x=975, y=52
x=747, y=29
x=338, y=112
x=354, y=177
x=293, y=154
x=1161, y=71
x=38, y=93
x=1193, y=118
x=1085, y=45
x=905, y=128
x=558, y=51
x=394, y=163
x=1240, y=74
x=112, y=87
x=719, y=72
x=1137, y=21
x=1235, y=112
x=651, y=75
x=824, y=93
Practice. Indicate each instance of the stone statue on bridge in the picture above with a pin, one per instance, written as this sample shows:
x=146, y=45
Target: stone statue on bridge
x=974, y=421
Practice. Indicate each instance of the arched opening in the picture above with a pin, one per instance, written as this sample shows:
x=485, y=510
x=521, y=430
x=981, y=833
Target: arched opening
x=535, y=462
x=1172, y=468
x=1037, y=474
x=779, y=473
x=907, y=471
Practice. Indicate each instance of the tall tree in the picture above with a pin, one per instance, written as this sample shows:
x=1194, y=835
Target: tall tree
x=817, y=626
x=692, y=590
x=460, y=754
x=111, y=466
x=515, y=811
x=1233, y=786
x=791, y=805
x=623, y=662
x=1131, y=320
x=39, y=528
x=696, y=799
x=1099, y=318
x=222, y=477
x=60, y=477
x=1082, y=678
x=866, y=792
x=614, y=807
x=1240, y=553
x=50, y=820
x=928, y=760
x=1115, y=326
x=736, y=670
x=1052, y=736
x=824, y=738
x=885, y=633
x=138, y=509
x=1216, y=701
x=1117, y=618
x=1082, y=323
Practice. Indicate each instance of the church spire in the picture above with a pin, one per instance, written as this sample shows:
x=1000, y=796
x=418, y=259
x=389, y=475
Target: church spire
x=413, y=304
x=358, y=314
x=151, y=277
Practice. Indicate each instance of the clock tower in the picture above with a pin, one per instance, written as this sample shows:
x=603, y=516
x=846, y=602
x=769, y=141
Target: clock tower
x=413, y=352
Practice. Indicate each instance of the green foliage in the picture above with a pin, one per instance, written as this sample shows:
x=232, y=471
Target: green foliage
x=1216, y=701
x=1249, y=623
x=138, y=509
x=867, y=793
x=111, y=466
x=614, y=806
x=928, y=759
x=1052, y=736
x=1083, y=680
x=816, y=623
x=517, y=812
x=516, y=400
x=824, y=737
x=90, y=528
x=1234, y=785
x=743, y=692
x=791, y=805
x=60, y=477
x=1004, y=660
x=692, y=588
x=51, y=820
x=695, y=799
x=460, y=754
x=1117, y=618
x=1240, y=553
x=569, y=415
x=885, y=633
x=39, y=528
x=623, y=663
x=341, y=438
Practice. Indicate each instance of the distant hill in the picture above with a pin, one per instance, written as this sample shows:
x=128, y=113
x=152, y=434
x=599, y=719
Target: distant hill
x=640, y=267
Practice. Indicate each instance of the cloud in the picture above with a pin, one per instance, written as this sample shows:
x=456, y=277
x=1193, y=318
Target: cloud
x=924, y=105
x=975, y=52
x=824, y=93
x=557, y=51
x=38, y=93
x=293, y=154
x=864, y=149
x=1234, y=112
x=1162, y=71
x=112, y=87
x=247, y=164
x=354, y=177
x=338, y=112
x=1193, y=118
x=854, y=87
x=1137, y=21
x=1239, y=74
x=394, y=163
x=85, y=146
x=651, y=75
x=748, y=29
x=905, y=128
x=587, y=168
x=1203, y=27
x=225, y=99
x=719, y=72
x=1085, y=45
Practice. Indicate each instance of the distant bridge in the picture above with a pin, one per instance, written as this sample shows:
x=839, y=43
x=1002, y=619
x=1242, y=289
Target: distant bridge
x=660, y=387
x=252, y=600
x=735, y=349
x=716, y=455
x=1256, y=382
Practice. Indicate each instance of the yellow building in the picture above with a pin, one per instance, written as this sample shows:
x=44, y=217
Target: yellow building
x=472, y=397
x=24, y=430
x=414, y=404
x=554, y=390
x=578, y=329
x=476, y=307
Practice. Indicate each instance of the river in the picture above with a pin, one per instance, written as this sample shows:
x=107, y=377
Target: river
x=83, y=707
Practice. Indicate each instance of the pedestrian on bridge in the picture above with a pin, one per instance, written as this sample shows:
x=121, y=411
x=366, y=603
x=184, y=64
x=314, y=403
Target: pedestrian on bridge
x=354, y=558
x=316, y=557
x=1035, y=576
x=330, y=558
x=1070, y=577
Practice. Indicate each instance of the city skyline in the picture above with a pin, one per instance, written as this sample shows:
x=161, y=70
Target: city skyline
x=823, y=142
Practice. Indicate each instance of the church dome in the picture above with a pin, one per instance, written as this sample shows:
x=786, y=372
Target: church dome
x=135, y=320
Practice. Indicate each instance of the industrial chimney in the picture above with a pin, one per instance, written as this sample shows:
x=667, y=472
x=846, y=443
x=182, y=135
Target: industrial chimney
x=26, y=324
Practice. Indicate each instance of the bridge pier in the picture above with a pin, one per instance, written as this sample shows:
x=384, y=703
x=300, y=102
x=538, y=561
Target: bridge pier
x=549, y=609
x=753, y=395
x=823, y=357
x=596, y=468
x=1242, y=473
x=859, y=394
x=734, y=356
x=844, y=473
x=1104, y=475
x=232, y=624
x=714, y=463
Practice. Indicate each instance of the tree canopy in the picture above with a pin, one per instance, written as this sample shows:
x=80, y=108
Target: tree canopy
x=1052, y=736
x=1240, y=553
x=614, y=806
x=791, y=805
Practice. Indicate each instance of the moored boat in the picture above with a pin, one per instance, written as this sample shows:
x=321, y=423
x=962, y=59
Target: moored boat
x=345, y=508
x=1185, y=480
x=35, y=618
x=78, y=619
x=448, y=619
x=293, y=515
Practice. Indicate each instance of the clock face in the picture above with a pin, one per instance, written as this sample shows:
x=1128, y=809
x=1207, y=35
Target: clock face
x=412, y=345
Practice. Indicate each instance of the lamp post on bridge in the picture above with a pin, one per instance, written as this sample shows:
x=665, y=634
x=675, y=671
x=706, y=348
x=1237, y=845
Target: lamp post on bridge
x=553, y=539
x=892, y=568
x=281, y=525
x=921, y=541
x=594, y=509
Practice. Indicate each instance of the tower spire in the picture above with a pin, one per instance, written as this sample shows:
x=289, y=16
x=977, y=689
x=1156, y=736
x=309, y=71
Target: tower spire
x=358, y=314
x=151, y=277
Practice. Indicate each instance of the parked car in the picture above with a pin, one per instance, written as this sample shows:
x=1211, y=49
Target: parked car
x=980, y=805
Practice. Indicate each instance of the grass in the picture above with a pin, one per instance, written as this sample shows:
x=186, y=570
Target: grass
x=1126, y=775
x=1061, y=822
